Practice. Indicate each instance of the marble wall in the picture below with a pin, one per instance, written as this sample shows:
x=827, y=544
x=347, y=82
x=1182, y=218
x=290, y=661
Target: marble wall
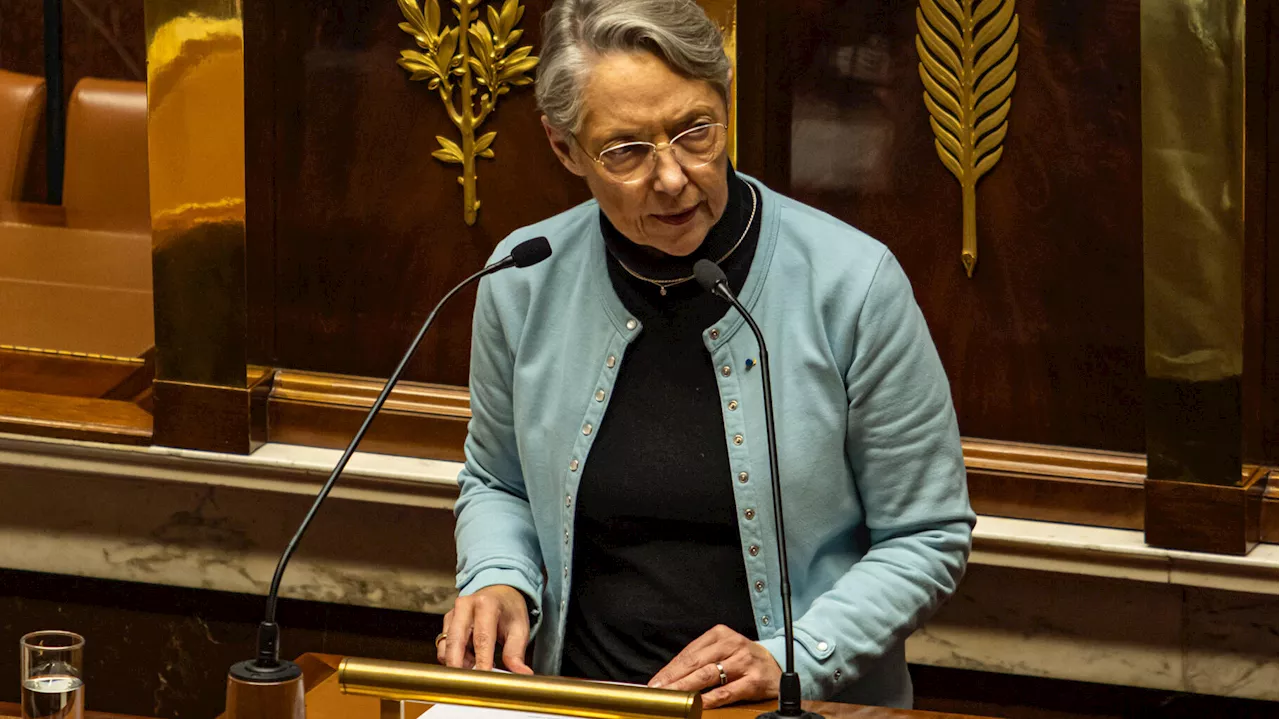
x=1106, y=630
x=164, y=651
x=161, y=558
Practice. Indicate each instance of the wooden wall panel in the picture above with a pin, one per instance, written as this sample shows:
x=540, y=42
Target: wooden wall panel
x=1270, y=330
x=1044, y=343
x=101, y=38
x=368, y=227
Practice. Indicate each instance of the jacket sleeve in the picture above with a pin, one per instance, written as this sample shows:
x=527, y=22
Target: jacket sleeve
x=495, y=535
x=903, y=444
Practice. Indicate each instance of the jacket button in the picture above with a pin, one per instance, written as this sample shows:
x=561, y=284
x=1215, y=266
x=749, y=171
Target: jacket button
x=749, y=514
x=737, y=439
x=822, y=646
x=573, y=465
x=733, y=405
x=714, y=334
x=759, y=586
x=586, y=429
x=611, y=361
x=568, y=500
x=742, y=477
x=726, y=370
x=755, y=550
x=631, y=324
x=599, y=395
x=838, y=675
x=765, y=620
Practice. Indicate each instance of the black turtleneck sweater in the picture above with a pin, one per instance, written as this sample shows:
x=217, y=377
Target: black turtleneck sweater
x=657, y=557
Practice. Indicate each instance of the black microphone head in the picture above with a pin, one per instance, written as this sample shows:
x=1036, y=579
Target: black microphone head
x=709, y=275
x=531, y=252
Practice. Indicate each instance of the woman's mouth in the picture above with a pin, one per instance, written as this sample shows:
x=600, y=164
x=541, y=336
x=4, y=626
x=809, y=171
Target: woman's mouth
x=678, y=218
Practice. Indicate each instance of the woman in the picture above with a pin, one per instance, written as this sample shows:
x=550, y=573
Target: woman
x=615, y=501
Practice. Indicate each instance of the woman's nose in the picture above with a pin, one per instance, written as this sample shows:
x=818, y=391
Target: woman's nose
x=669, y=176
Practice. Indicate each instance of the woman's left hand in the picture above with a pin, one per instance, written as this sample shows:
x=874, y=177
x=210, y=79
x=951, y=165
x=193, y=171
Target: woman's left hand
x=750, y=671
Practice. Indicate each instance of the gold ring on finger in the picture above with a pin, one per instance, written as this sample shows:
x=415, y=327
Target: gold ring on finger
x=441, y=636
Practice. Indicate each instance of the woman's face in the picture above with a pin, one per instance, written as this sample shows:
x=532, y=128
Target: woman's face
x=635, y=96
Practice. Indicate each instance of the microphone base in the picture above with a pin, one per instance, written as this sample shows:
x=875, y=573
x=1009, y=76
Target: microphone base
x=252, y=672
x=778, y=714
x=258, y=692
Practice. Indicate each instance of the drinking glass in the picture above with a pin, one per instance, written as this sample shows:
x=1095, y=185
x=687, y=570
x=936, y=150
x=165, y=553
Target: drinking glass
x=52, y=675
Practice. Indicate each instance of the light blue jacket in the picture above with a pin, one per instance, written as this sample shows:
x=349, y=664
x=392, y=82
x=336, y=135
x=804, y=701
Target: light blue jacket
x=877, y=513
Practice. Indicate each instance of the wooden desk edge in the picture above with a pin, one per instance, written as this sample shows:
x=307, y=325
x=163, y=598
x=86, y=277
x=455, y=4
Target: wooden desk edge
x=326, y=701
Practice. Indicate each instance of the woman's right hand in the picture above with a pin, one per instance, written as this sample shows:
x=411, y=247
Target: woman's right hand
x=479, y=623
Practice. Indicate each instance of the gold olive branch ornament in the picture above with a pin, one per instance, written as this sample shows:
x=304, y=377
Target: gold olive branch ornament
x=967, y=59
x=453, y=60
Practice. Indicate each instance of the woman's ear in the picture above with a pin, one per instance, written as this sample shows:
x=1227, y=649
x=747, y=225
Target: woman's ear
x=561, y=145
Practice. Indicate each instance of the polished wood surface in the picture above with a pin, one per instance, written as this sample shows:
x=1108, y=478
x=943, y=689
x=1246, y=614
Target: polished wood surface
x=1203, y=517
x=323, y=410
x=1269, y=402
x=1269, y=525
x=1261, y=400
x=74, y=376
x=1044, y=343
x=67, y=285
x=212, y=418
x=365, y=229
x=279, y=700
x=96, y=420
x=326, y=701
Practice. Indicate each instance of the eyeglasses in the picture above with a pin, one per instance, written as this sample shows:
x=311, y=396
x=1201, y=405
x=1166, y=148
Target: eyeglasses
x=632, y=162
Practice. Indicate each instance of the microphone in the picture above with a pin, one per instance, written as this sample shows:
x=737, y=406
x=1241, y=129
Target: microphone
x=713, y=280
x=267, y=668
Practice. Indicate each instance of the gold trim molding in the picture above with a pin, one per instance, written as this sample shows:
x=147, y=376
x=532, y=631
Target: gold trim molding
x=452, y=60
x=71, y=353
x=967, y=59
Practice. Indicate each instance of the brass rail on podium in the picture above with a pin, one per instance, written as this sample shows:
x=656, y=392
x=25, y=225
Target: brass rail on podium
x=405, y=681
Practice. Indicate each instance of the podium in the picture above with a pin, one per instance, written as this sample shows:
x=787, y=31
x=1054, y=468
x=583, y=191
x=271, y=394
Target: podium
x=326, y=700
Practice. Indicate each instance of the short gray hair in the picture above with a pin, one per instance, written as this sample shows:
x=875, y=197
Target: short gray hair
x=574, y=32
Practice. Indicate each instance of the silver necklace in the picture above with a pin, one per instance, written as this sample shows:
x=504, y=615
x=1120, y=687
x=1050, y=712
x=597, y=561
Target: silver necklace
x=662, y=285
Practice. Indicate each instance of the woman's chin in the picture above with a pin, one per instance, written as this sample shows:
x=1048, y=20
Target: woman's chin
x=679, y=241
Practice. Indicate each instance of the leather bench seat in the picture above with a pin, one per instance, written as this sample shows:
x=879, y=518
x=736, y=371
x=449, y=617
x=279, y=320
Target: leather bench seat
x=22, y=100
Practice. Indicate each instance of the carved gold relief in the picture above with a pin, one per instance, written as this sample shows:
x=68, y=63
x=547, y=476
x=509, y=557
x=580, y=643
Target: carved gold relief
x=453, y=60
x=967, y=59
x=724, y=13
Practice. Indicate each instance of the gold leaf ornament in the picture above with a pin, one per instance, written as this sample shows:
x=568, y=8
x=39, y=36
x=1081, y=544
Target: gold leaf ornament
x=968, y=51
x=453, y=61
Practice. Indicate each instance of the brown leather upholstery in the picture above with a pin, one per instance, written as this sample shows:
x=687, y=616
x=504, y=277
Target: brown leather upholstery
x=21, y=110
x=106, y=170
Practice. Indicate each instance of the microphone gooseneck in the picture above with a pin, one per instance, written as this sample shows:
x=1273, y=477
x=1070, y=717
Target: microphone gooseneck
x=713, y=280
x=267, y=666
